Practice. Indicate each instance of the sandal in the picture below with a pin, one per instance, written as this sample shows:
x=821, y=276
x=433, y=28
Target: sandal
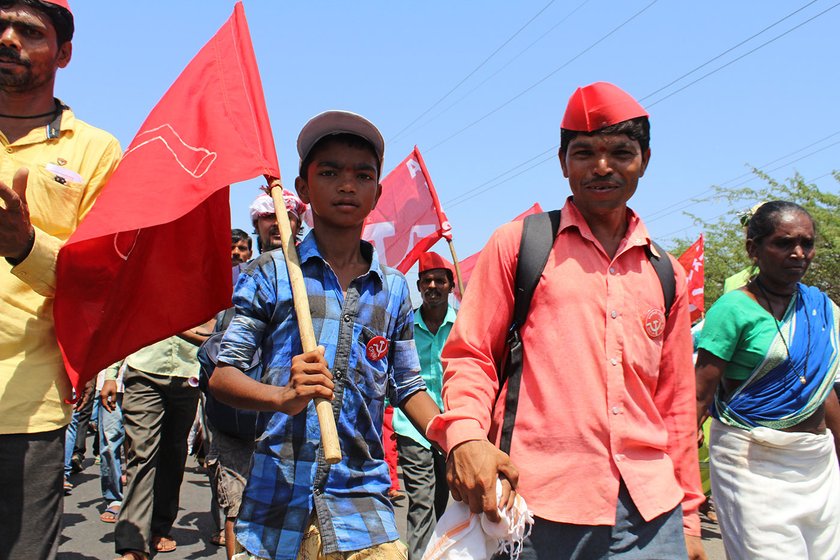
x=218, y=539
x=133, y=555
x=110, y=514
x=163, y=543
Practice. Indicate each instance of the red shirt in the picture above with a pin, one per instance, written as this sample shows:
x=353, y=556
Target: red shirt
x=603, y=397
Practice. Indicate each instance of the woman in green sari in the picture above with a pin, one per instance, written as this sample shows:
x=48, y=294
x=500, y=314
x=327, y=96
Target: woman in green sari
x=766, y=369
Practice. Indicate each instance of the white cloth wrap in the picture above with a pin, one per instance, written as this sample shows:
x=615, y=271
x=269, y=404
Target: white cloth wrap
x=777, y=493
x=463, y=535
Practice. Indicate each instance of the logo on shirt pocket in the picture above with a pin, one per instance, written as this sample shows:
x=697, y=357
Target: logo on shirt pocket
x=654, y=322
x=377, y=348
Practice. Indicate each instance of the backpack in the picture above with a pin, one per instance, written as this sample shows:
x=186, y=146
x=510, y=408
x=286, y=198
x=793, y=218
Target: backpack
x=538, y=234
x=235, y=422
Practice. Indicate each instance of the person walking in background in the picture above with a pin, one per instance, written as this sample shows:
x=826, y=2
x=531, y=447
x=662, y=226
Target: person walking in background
x=423, y=466
x=240, y=247
x=111, y=436
x=159, y=404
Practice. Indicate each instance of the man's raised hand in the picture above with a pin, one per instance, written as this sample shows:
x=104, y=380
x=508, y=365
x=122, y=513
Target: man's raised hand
x=16, y=232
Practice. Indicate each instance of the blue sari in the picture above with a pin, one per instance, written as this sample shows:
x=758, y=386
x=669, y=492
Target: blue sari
x=774, y=395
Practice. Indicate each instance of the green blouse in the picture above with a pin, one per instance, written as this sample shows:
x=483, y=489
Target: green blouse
x=737, y=329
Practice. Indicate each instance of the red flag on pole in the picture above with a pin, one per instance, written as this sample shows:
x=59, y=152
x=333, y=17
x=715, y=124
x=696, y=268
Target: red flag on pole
x=152, y=257
x=408, y=218
x=692, y=262
x=467, y=265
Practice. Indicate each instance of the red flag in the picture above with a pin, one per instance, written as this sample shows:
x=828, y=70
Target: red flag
x=408, y=218
x=692, y=262
x=152, y=258
x=468, y=264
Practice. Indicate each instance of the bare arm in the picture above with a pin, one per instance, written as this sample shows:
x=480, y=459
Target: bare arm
x=309, y=379
x=199, y=334
x=832, y=419
x=420, y=409
x=708, y=372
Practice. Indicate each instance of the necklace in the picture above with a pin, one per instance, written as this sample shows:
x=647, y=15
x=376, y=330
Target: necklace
x=39, y=116
x=779, y=329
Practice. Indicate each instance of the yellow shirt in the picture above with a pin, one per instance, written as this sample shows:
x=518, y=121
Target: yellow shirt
x=69, y=162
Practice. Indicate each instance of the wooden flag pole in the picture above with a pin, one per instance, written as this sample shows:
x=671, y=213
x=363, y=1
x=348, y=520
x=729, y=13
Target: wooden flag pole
x=326, y=420
x=457, y=267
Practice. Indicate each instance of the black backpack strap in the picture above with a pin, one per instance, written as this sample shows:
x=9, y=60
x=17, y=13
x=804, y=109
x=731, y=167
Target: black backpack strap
x=538, y=233
x=665, y=271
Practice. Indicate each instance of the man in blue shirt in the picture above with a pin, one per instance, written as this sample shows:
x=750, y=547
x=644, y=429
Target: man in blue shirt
x=424, y=468
x=295, y=504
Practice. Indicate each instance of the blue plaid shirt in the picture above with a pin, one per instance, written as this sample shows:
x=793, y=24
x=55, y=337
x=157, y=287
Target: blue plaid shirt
x=289, y=477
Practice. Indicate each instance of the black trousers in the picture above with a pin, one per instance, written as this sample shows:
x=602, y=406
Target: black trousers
x=31, y=494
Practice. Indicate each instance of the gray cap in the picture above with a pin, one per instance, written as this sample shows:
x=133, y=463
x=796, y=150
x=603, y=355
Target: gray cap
x=329, y=123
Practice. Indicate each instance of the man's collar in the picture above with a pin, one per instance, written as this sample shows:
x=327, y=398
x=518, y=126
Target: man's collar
x=308, y=249
x=448, y=318
x=636, y=234
x=63, y=117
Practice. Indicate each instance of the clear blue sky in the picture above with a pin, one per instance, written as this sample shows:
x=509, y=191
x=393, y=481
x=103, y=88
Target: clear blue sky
x=392, y=61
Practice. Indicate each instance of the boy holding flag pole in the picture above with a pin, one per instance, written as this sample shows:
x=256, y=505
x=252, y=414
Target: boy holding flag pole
x=296, y=503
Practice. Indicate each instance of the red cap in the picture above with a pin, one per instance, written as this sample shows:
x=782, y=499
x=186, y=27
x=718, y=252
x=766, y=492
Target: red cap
x=61, y=3
x=431, y=261
x=598, y=106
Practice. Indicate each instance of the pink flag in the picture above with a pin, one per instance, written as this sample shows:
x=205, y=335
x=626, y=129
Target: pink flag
x=152, y=258
x=408, y=218
x=692, y=262
x=467, y=265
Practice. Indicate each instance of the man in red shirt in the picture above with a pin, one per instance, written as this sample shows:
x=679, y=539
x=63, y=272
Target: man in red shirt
x=604, y=442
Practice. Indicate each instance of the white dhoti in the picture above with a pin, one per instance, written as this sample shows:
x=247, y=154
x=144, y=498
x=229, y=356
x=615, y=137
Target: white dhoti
x=777, y=494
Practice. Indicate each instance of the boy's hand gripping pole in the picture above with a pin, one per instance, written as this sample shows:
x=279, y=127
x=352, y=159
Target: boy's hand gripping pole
x=326, y=420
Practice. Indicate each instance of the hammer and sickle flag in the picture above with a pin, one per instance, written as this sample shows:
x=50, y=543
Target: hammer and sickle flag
x=152, y=258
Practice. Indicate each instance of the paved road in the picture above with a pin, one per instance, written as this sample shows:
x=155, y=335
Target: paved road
x=85, y=537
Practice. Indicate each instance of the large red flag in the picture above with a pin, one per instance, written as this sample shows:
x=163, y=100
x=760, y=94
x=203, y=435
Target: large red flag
x=467, y=265
x=692, y=262
x=152, y=258
x=408, y=218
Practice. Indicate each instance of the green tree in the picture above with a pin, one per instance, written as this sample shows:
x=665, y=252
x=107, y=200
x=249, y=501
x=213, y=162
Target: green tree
x=725, y=254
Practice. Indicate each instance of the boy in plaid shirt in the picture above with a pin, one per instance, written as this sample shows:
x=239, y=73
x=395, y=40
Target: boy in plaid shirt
x=296, y=505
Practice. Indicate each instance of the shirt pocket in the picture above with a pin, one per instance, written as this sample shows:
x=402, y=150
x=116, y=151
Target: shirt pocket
x=371, y=369
x=649, y=332
x=53, y=202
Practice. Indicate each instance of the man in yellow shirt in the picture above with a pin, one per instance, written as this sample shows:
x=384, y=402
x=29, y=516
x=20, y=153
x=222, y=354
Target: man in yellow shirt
x=51, y=170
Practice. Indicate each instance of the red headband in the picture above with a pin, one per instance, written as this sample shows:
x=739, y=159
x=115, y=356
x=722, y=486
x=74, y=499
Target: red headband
x=598, y=106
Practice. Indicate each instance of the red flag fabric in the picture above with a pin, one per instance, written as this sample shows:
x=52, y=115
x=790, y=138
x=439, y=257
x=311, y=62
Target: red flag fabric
x=467, y=265
x=408, y=218
x=692, y=262
x=152, y=258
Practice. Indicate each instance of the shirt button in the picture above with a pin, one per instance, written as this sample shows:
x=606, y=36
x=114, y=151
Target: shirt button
x=614, y=314
x=612, y=270
x=613, y=361
x=337, y=374
x=616, y=410
x=9, y=150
